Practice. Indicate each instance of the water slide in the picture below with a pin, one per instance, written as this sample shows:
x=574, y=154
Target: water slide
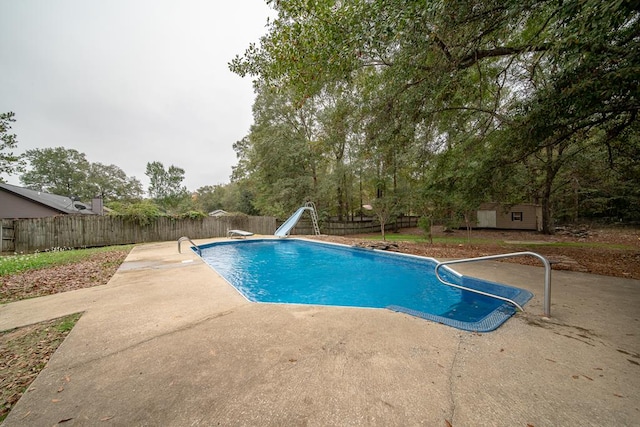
x=285, y=229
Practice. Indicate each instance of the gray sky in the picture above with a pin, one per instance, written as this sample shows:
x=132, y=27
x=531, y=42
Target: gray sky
x=131, y=81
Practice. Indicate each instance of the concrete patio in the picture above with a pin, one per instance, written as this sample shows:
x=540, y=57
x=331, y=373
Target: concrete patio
x=168, y=342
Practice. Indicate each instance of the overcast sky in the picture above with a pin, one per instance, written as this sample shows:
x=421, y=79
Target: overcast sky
x=129, y=82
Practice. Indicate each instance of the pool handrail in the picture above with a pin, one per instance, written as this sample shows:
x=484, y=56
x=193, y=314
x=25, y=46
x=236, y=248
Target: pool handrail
x=182, y=239
x=547, y=277
x=476, y=291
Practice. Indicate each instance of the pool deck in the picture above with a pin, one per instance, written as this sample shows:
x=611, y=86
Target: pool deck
x=168, y=342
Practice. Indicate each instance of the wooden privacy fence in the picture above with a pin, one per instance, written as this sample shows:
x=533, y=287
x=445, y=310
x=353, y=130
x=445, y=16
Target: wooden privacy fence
x=344, y=228
x=76, y=231
x=6, y=236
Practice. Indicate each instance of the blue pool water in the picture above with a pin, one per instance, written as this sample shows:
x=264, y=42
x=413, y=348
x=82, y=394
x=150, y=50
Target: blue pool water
x=304, y=272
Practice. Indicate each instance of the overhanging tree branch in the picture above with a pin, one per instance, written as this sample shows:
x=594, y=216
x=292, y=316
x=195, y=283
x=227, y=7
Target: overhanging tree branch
x=480, y=54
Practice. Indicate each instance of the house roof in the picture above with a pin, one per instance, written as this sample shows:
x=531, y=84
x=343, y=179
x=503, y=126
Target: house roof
x=218, y=212
x=61, y=203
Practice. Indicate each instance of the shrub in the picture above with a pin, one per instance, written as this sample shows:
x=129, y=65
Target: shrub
x=143, y=212
x=191, y=215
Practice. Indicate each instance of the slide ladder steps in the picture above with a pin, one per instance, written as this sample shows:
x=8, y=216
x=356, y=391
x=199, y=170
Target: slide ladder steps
x=314, y=217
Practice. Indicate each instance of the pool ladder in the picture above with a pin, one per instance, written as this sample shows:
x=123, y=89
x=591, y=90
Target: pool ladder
x=182, y=239
x=547, y=277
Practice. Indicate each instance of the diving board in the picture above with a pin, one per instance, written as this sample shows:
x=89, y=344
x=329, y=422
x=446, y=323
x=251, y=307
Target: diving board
x=238, y=233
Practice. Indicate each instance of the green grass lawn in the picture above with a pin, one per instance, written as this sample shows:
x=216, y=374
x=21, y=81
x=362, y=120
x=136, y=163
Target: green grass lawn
x=10, y=264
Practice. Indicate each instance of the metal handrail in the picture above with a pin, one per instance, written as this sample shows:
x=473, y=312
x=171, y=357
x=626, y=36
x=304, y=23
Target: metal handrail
x=182, y=239
x=547, y=277
x=475, y=291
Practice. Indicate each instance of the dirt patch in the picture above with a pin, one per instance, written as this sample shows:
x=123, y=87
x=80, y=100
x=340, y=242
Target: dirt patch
x=24, y=352
x=93, y=271
x=608, y=252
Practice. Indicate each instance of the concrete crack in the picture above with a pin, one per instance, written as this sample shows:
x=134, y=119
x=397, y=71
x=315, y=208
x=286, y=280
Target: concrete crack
x=452, y=373
x=152, y=338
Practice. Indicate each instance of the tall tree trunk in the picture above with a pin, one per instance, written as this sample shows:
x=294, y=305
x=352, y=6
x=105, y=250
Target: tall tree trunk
x=315, y=179
x=340, y=202
x=467, y=223
x=549, y=175
x=546, y=216
x=383, y=223
x=360, y=208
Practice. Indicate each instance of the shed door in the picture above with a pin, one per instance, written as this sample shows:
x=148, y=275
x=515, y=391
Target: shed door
x=487, y=219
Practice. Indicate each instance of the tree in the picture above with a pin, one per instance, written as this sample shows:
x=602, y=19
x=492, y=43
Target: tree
x=9, y=162
x=111, y=183
x=58, y=171
x=592, y=100
x=385, y=209
x=231, y=197
x=338, y=130
x=533, y=83
x=280, y=154
x=67, y=172
x=211, y=197
x=420, y=69
x=166, y=185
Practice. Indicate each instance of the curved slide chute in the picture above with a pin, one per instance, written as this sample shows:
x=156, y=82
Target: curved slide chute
x=285, y=229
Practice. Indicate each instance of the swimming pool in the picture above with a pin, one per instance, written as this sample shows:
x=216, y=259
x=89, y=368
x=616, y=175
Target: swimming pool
x=294, y=271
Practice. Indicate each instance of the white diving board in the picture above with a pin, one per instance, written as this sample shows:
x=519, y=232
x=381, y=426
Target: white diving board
x=238, y=233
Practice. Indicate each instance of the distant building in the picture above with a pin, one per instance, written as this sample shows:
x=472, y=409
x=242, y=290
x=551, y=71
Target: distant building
x=19, y=202
x=510, y=217
x=218, y=212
